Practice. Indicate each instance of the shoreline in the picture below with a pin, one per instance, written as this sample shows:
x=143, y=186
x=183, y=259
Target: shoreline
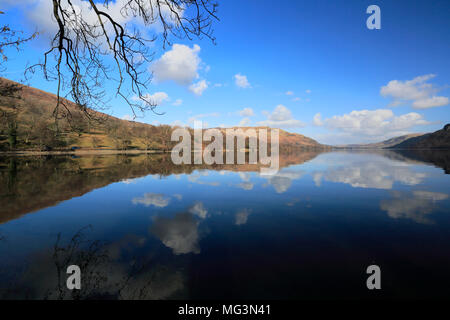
x=116, y=151
x=78, y=152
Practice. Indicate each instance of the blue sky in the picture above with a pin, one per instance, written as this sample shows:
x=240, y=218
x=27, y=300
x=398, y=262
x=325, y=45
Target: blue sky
x=283, y=63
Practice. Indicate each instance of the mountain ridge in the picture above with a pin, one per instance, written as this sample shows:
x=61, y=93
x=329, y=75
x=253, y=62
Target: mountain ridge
x=439, y=139
x=382, y=144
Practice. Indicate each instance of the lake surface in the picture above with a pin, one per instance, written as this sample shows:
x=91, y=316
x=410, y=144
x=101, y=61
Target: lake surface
x=142, y=228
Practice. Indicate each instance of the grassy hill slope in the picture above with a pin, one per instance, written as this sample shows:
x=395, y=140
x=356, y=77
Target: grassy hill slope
x=27, y=123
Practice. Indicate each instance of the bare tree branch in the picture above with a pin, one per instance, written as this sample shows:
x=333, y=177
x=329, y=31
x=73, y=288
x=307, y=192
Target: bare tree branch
x=11, y=39
x=87, y=53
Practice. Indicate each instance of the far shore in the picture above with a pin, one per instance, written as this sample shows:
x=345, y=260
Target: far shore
x=78, y=152
x=140, y=151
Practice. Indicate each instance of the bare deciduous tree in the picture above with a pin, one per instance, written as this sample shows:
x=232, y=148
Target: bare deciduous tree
x=10, y=38
x=93, y=46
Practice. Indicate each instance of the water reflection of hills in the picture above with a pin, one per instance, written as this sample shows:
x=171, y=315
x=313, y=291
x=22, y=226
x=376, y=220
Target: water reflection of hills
x=31, y=183
x=439, y=158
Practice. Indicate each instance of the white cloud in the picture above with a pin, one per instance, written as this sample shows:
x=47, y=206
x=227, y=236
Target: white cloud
x=244, y=122
x=281, y=117
x=408, y=90
x=39, y=15
x=129, y=181
x=376, y=174
x=317, y=178
x=430, y=102
x=282, y=180
x=198, y=87
x=241, y=81
x=177, y=102
x=308, y=91
x=195, y=178
x=157, y=98
x=381, y=123
x=429, y=195
x=317, y=120
x=199, y=210
x=127, y=117
x=416, y=206
x=242, y=216
x=417, y=90
x=246, y=185
x=152, y=199
x=289, y=93
x=296, y=99
x=246, y=112
x=180, y=64
x=178, y=196
x=245, y=176
x=179, y=233
x=369, y=170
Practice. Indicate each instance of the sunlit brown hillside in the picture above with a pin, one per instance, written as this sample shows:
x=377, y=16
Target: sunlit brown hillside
x=27, y=123
x=27, y=117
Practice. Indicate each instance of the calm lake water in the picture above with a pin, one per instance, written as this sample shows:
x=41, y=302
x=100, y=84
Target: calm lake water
x=142, y=228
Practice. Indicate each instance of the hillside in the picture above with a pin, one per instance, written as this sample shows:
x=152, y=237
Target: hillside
x=27, y=117
x=436, y=140
x=27, y=124
x=288, y=140
x=383, y=144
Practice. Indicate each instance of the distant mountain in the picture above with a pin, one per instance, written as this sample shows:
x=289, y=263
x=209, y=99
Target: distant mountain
x=287, y=140
x=383, y=144
x=27, y=124
x=436, y=140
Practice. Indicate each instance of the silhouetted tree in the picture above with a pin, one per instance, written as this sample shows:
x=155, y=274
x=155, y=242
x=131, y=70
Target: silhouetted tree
x=86, y=40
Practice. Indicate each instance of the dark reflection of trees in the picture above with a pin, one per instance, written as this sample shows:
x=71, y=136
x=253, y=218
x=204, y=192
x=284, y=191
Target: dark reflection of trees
x=31, y=183
x=439, y=158
x=12, y=173
x=107, y=272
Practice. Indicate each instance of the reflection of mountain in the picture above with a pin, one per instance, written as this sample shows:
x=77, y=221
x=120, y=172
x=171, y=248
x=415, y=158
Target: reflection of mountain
x=439, y=158
x=31, y=183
